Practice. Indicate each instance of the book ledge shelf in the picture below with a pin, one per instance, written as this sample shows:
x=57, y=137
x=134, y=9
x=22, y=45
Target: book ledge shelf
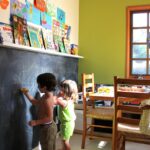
x=38, y=50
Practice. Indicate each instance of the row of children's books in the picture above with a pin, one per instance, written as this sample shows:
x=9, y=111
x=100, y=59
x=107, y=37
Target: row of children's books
x=23, y=33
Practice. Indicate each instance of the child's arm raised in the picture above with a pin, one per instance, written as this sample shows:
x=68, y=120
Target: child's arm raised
x=61, y=102
x=25, y=91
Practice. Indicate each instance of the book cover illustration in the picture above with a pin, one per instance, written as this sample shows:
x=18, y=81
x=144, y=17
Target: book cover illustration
x=66, y=38
x=18, y=8
x=46, y=21
x=61, y=35
x=61, y=46
x=35, y=36
x=67, y=32
x=48, y=39
x=55, y=39
x=66, y=43
x=33, y=14
x=20, y=31
x=6, y=33
x=56, y=31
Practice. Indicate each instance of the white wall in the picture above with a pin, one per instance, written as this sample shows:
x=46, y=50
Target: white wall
x=71, y=7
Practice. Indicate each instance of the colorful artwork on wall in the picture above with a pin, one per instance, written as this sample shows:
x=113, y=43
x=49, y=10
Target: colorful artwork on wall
x=5, y=11
x=40, y=4
x=61, y=15
x=18, y=8
x=4, y=4
x=46, y=20
x=37, y=28
x=33, y=14
x=51, y=9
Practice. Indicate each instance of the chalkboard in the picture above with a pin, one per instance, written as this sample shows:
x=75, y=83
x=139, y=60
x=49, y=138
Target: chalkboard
x=19, y=69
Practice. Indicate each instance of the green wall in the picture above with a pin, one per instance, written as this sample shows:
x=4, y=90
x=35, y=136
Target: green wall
x=102, y=37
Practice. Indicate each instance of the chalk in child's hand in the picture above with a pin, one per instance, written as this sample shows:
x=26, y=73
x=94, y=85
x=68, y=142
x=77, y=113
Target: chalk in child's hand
x=24, y=90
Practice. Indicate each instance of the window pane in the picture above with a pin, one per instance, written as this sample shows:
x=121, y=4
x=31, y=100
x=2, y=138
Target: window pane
x=140, y=20
x=139, y=51
x=148, y=39
x=149, y=52
x=149, y=68
x=149, y=19
x=139, y=67
x=139, y=35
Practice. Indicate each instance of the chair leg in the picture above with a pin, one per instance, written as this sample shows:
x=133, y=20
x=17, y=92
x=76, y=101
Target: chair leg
x=83, y=139
x=120, y=142
x=115, y=138
x=92, y=129
x=84, y=134
x=92, y=122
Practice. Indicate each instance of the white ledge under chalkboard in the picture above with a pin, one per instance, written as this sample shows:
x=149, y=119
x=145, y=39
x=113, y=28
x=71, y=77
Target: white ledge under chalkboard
x=37, y=50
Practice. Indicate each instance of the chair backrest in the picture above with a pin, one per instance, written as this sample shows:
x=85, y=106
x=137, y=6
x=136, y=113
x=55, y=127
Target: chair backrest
x=87, y=83
x=128, y=90
x=87, y=86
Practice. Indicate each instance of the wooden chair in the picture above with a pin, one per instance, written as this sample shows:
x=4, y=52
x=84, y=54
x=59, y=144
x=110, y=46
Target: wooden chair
x=92, y=112
x=126, y=128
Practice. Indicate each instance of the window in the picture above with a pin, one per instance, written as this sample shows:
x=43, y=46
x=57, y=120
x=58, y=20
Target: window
x=138, y=41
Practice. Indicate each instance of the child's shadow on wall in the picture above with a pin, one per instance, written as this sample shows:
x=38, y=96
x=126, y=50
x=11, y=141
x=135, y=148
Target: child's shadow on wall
x=33, y=115
x=36, y=129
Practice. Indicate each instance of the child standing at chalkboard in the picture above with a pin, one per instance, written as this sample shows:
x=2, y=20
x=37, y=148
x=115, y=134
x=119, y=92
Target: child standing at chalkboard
x=68, y=95
x=48, y=129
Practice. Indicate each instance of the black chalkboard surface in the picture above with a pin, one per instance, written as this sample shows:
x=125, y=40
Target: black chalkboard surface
x=19, y=69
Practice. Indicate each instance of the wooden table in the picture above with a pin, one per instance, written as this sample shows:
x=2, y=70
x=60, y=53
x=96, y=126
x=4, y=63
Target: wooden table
x=102, y=96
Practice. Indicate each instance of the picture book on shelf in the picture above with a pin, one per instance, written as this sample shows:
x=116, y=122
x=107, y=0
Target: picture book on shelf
x=66, y=43
x=61, y=46
x=55, y=30
x=6, y=33
x=35, y=35
x=55, y=39
x=20, y=31
x=66, y=38
x=67, y=31
x=48, y=38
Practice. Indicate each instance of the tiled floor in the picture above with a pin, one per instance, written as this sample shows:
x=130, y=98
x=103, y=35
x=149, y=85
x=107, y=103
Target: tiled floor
x=93, y=144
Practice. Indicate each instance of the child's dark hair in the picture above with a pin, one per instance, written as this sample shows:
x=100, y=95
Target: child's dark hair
x=48, y=80
x=70, y=89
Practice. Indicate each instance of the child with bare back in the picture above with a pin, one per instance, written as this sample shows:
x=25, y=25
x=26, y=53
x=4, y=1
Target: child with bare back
x=67, y=97
x=48, y=129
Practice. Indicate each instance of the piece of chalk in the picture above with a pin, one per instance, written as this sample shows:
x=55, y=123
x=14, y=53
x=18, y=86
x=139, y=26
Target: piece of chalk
x=24, y=90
